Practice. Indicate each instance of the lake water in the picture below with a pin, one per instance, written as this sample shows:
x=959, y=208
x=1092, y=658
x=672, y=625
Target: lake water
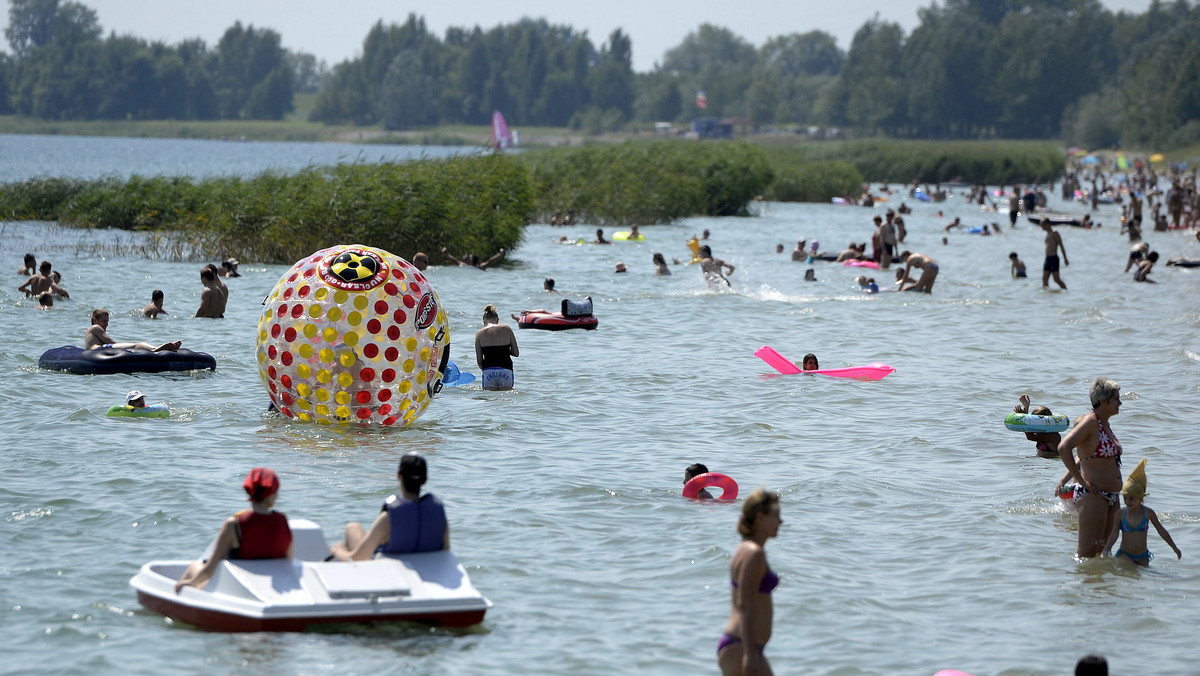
x=918, y=533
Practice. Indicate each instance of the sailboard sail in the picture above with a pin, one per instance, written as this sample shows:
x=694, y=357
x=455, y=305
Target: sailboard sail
x=501, y=138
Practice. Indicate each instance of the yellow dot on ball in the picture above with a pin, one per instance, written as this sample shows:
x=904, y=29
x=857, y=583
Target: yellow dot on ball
x=405, y=404
x=404, y=387
x=340, y=297
x=330, y=334
x=347, y=358
x=354, y=319
x=323, y=376
x=303, y=371
x=441, y=317
x=306, y=351
x=342, y=398
x=304, y=417
x=351, y=338
x=262, y=357
x=410, y=344
x=334, y=314
x=424, y=354
x=326, y=355
x=304, y=404
x=310, y=330
x=322, y=395
x=421, y=396
x=421, y=378
x=342, y=412
x=262, y=335
x=345, y=380
x=360, y=302
x=303, y=389
x=314, y=310
x=409, y=365
x=321, y=294
x=322, y=409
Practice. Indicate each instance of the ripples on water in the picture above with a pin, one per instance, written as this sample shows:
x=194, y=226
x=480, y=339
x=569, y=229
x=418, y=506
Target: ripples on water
x=918, y=533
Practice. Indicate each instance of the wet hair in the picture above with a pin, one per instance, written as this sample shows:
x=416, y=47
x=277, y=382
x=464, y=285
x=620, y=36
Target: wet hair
x=759, y=502
x=658, y=258
x=413, y=472
x=490, y=310
x=811, y=356
x=473, y=259
x=906, y=253
x=46, y=299
x=1040, y=410
x=44, y=267
x=207, y=274
x=1103, y=390
x=1091, y=665
x=1012, y=255
x=694, y=470
x=30, y=258
x=706, y=251
x=157, y=294
x=548, y=284
x=1153, y=257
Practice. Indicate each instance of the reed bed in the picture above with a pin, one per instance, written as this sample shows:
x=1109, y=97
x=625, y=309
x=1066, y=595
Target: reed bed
x=648, y=182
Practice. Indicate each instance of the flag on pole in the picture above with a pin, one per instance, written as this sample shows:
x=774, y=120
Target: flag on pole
x=701, y=99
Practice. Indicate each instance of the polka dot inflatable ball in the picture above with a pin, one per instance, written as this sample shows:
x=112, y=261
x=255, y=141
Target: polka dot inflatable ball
x=353, y=334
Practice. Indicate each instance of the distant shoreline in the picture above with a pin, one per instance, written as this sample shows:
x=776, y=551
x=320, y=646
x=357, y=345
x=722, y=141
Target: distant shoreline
x=293, y=130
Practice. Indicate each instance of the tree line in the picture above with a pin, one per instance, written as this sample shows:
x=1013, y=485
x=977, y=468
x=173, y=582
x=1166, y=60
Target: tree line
x=1067, y=69
x=61, y=67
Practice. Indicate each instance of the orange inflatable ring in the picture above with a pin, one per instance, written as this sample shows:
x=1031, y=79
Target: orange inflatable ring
x=729, y=487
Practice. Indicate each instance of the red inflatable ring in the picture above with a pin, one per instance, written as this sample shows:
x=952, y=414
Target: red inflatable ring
x=729, y=487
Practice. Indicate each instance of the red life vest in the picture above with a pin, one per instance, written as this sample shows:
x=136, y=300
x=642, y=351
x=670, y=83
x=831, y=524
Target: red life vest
x=263, y=536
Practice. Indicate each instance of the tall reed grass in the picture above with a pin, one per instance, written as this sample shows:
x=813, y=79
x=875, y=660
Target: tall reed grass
x=877, y=159
x=470, y=205
x=648, y=182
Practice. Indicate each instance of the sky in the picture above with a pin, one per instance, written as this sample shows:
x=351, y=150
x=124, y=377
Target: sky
x=333, y=30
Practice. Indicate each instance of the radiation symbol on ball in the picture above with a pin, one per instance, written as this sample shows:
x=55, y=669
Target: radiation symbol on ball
x=353, y=334
x=354, y=270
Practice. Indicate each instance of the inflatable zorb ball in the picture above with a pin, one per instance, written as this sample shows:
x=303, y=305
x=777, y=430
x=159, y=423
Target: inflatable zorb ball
x=353, y=334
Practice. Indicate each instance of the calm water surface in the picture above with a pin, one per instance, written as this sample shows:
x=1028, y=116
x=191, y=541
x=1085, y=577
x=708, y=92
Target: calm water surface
x=918, y=533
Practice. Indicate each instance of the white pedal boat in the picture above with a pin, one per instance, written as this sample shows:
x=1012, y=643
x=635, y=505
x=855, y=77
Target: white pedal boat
x=292, y=594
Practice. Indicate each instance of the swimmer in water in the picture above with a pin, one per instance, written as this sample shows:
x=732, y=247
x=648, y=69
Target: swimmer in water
x=711, y=267
x=809, y=363
x=694, y=471
x=1046, y=442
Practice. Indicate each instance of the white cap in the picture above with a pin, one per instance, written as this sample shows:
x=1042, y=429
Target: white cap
x=133, y=396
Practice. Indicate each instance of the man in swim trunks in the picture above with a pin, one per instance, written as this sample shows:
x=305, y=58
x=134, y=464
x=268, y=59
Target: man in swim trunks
x=1053, y=244
x=97, y=336
x=928, y=267
x=210, y=298
x=42, y=282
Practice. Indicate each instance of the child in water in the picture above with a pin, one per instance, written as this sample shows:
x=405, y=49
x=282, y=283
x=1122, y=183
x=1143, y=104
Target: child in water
x=1047, y=442
x=1018, y=266
x=1135, y=521
x=694, y=471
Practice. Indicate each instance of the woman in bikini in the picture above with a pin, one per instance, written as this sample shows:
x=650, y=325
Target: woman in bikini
x=1098, y=469
x=751, y=581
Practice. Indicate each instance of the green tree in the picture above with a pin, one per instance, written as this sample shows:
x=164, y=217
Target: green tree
x=409, y=96
x=252, y=75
